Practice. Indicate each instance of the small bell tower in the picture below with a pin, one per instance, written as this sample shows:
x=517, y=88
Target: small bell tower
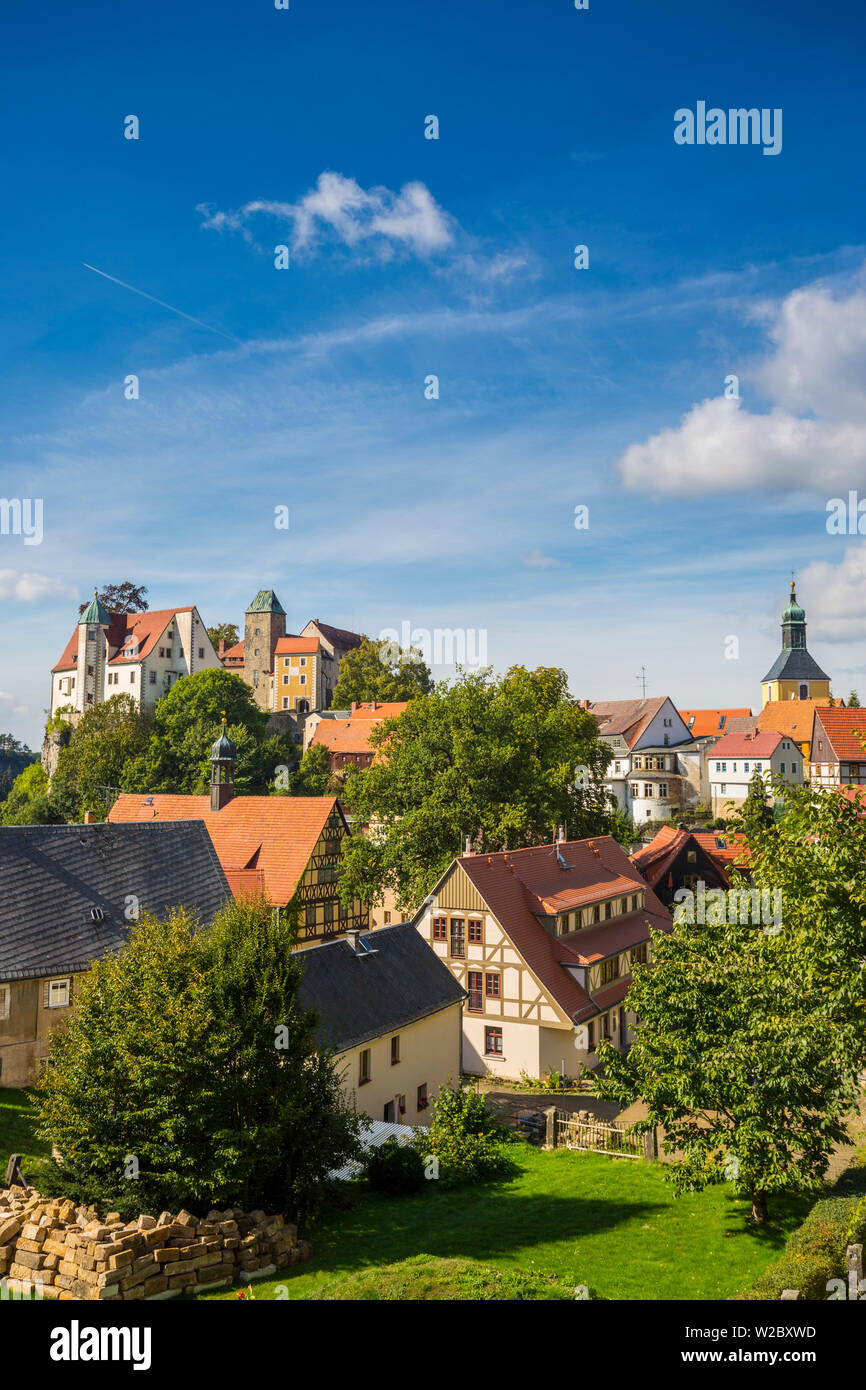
x=223, y=756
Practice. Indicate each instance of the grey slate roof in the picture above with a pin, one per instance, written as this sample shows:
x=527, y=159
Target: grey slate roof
x=397, y=980
x=795, y=664
x=51, y=876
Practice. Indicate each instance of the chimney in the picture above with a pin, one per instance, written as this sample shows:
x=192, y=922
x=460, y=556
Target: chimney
x=89, y=817
x=354, y=940
x=221, y=649
x=560, y=834
x=354, y=706
x=467, y=845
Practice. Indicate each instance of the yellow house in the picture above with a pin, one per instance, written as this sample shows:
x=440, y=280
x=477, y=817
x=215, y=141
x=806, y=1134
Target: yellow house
x=794, y=674
x=543, y=940
x=392, y=1013
x=298, y=674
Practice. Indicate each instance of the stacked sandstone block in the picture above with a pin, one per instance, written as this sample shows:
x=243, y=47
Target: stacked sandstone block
x=66, y=1252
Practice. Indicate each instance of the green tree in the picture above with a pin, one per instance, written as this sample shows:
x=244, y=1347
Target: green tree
x=853, y=700
x=186, y=722
x=28, y=802
x=380, y=671
x=223, y=632
x=92, y=764
x=312, y=776
x=467, y=1140
x=756, y=813
x=498, y=760
x=753, y=1022
x=122, y=598
x=190, y=1053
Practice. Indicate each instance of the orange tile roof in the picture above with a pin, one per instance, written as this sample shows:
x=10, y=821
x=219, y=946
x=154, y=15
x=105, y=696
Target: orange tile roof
x=710, y=721
x=272, y=835
x=344, y=735
x=790, y=717
x=841, y=727
x=516, y=884
x=288, y=646
x=129, y=632
x=386, y=710
x=725, y=849
x=235, y=653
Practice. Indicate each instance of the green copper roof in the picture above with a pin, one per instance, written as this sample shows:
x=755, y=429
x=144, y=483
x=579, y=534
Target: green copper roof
x=95, y=613
x=793, y=613
x=266, y=601
x=223, y=750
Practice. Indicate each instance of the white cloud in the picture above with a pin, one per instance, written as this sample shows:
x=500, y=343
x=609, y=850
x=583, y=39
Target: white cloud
x=537, y=560
x=814, y=433
x=835, y=595
x=30, y=588
x=408, y=220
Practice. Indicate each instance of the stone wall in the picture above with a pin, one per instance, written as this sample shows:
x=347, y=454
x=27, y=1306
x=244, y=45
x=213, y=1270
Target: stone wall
x=68, y=1253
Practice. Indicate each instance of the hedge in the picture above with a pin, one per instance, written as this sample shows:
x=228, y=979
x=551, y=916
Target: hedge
x=815, y=1252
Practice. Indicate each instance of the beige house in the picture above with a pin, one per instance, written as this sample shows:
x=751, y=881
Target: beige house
x=543, y=940
x=68, y=894
x=392, y=1013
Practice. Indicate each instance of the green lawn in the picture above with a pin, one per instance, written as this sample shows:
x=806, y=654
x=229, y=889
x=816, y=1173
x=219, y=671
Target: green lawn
x=566, y=1219
x=580, y=1219
x=17, y=1137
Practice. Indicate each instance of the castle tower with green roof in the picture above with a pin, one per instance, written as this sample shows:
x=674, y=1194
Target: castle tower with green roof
x=264, y=625
x=91, y=655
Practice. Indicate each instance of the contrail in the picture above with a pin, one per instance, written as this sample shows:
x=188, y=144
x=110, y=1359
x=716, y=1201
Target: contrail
x=161, y=302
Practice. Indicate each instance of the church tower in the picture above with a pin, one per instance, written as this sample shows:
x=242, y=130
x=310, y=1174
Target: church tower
x=794, y=675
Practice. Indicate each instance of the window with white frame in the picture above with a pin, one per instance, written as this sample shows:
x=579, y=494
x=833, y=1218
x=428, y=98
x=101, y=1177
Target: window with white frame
x=58, y=993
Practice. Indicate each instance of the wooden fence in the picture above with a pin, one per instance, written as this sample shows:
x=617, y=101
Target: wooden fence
x=583, y=1131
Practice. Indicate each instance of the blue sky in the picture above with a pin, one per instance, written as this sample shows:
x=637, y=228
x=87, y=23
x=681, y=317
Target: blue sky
x=410, y=257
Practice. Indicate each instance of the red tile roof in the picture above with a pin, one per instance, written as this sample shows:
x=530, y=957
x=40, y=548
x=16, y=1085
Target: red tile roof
x=629, y=718
x=757, y=745
x=516, y=884
x=271, y=835
x=138, y=632
x=841, y=727
x=658, y=857
x=710, y=721
x=288, y=646
x=234, y=655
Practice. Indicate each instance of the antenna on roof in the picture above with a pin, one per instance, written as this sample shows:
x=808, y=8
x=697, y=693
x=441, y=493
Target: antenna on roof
x=642, y=679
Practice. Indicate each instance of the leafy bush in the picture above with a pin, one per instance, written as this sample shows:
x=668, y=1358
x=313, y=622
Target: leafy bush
x=395, y=1169
x=467, y=1140
x=170, y=1059
x=815, y=1253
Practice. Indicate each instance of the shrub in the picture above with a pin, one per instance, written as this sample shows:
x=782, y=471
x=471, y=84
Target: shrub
x=815, y=1253
x=395, y=1169
x=467, y=1140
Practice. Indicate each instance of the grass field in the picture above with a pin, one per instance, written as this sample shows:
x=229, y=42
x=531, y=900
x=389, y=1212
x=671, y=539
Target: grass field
x=564, y=1220
x=17, y=1137
x=567, y=1219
